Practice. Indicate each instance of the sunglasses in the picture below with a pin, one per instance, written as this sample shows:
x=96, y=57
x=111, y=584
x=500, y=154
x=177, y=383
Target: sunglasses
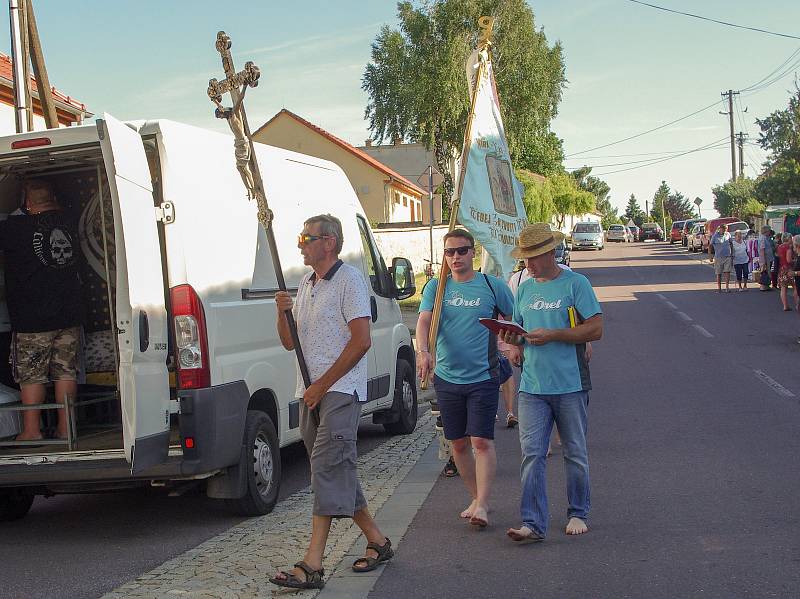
x=305, y=238
x=461, y=251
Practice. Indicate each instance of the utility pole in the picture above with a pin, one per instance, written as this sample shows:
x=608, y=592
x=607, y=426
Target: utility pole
x=39, y=69
x=740, y=137
x=730, y=93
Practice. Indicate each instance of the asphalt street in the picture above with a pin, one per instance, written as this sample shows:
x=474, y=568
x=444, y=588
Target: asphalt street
x=82, y=546
x=693, y=446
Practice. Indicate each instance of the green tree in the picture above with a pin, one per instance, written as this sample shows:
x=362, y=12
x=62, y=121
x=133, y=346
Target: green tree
x=659, y=199
x=731, y=198
x=418, y=90
x=568, y=199
x=634, y=212
x=780, y=137
x=537, y=197
x=751, y=209
x=678, y=206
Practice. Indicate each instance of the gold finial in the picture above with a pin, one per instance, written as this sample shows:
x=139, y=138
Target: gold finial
x=485, y=37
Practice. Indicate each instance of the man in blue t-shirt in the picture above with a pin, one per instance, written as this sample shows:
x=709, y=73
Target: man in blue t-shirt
x=560, y=311
x=466, y=374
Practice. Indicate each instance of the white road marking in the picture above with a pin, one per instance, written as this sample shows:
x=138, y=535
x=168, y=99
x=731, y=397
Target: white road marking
x=702, y=331
x=660, y=296
x=684, y=316
x=772, y=383
x=671, y=305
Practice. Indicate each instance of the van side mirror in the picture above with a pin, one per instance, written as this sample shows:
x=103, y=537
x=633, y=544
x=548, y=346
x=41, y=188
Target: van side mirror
x=403, y=278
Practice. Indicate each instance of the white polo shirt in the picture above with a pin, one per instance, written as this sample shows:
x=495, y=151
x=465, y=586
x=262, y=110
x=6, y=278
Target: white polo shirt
x=323, y=309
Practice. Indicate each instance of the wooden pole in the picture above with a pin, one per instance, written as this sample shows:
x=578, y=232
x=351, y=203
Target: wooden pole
x=39, y=69
x=445, y=269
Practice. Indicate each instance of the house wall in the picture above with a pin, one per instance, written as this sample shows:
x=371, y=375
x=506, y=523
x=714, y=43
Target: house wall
x=570, y=221
x=412, y=243
x=370, y=185
x=7, y=126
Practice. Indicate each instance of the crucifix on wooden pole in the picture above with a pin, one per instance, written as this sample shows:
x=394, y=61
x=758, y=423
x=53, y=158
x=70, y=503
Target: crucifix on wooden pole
x=236, y=85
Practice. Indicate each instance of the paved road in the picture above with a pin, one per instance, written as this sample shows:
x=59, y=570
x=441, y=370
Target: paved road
x=693, y=444
x=75, y=546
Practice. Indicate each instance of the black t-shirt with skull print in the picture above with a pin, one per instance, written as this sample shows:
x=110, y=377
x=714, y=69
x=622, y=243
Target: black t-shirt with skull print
x=43, y=289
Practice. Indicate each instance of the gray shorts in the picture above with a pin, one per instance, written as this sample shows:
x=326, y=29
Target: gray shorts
x=329, y=434
x=723, y=264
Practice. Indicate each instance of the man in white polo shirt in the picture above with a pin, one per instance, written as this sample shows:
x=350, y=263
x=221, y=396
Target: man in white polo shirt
x=333, y=315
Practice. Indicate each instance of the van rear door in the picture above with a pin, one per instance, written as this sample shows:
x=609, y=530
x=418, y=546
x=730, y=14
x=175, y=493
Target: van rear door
x=141, y=314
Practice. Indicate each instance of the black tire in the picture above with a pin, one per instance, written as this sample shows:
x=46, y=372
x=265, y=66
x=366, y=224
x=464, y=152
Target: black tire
x=262, y=464
x=14, y=504
x=405, y=401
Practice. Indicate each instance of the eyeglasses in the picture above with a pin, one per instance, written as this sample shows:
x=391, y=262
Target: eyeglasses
x=305, y=238
x=461, y=251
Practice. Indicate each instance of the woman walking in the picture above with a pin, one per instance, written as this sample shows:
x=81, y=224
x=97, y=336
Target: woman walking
x=785, y=259
x=741, y=260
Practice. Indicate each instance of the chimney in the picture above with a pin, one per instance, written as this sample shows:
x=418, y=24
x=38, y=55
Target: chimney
x=368, y=143
x=397, y=141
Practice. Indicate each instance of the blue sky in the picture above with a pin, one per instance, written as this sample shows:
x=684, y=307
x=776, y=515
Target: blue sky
x=630, y=68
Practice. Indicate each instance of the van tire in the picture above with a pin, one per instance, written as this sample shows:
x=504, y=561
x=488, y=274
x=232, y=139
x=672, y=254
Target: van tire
x=405, y=401
x=261, y=462
x=14, y=504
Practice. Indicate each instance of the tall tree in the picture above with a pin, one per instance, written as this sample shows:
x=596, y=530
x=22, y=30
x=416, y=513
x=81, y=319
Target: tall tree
x=537, y=197
x=659, y=200
x=568, y=198
x=780, y=137
x=735, y=198
x=678, y=206
x=634, y=212
x=417, y=85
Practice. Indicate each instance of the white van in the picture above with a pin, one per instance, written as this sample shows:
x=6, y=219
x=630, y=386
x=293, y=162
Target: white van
x=183, y=378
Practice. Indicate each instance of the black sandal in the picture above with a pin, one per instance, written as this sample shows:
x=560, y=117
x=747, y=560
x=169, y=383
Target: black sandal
x=385, y=553
x=314, y=578
x=450, y=469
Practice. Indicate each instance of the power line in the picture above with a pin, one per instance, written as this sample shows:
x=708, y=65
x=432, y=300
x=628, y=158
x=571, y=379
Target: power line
x=755, y=86
x=688, y=14
x=603, y=156
x=652, y=160
x=657, y=161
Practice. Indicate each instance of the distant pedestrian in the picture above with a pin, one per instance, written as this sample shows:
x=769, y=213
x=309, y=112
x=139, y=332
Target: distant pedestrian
x=560, y=311
x=785, y=260
x=722, y=247
x=741, y=260
x=466, y=377
x=765, y=257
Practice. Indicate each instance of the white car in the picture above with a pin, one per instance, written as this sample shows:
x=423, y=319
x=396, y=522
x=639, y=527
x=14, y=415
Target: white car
x=618, y=233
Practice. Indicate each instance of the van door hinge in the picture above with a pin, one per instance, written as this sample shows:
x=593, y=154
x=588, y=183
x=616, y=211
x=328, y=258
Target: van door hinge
x=166, y=213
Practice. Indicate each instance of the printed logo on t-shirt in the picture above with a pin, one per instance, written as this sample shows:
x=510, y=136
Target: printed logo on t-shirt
x=457, y=300
x=539, y=303
x=53, y=245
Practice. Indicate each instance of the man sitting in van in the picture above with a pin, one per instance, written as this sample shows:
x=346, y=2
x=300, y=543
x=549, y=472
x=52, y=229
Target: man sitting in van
x=333, y=315
x=44, y=301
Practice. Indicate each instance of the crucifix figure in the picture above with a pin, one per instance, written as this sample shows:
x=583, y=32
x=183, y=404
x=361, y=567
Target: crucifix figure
x=236, y=85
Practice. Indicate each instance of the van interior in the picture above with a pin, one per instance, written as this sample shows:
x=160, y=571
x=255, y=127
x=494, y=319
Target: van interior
x=81, y=185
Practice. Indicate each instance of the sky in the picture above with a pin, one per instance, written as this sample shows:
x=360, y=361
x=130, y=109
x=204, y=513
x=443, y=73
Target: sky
x=630, y=68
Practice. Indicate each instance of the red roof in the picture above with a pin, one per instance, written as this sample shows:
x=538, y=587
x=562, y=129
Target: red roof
x=6, y=73
x=352, y=149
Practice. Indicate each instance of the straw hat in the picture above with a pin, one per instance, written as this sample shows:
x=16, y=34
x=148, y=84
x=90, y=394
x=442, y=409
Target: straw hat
x=536, y=239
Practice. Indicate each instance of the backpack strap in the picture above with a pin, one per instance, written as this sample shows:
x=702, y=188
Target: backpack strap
x=496, y=312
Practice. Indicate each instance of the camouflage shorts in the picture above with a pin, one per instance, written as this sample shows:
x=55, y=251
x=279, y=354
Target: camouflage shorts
x=38, y=358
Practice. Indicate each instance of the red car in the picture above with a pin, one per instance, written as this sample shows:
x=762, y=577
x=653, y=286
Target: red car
x=676, y=233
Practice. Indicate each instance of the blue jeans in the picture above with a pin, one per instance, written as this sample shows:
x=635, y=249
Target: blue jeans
x=537, y=413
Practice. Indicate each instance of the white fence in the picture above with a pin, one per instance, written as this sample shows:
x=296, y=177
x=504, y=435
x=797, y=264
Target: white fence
x=412, y=243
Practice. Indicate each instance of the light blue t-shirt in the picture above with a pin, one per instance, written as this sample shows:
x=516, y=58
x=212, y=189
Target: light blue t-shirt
x=556, y=367
x=466, y=352
x=722, y=244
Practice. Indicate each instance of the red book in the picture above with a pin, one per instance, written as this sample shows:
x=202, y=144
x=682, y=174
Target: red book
x=496, y=325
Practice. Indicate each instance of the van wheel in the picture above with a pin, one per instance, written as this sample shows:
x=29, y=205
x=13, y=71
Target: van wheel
x=405, y=401
x=262, y=463
x=14, y=504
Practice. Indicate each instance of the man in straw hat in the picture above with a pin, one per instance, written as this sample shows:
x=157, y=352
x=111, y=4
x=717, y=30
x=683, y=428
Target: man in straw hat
x=560, y=311
x=466, y=378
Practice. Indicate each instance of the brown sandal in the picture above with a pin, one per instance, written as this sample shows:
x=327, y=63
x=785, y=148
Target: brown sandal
x=385, y=553
x=314, y=578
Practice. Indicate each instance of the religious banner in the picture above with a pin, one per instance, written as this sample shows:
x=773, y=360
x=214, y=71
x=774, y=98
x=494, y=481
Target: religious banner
x=490, y=205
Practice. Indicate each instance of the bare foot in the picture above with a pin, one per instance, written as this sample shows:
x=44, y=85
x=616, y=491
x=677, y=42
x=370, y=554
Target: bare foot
x=479, y=517
x=467, y=513
x=524, y=535
x=576, y=526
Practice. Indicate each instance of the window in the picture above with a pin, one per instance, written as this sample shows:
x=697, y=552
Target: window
x=376, y=267
x=405, y=201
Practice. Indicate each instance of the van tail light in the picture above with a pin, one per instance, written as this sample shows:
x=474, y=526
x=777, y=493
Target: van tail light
x=191, y=338
x=33, y=142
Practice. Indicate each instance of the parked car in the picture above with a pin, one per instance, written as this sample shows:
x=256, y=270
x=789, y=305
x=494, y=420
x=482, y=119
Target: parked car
x=687, y=229
x=710, y=226
x=562, y=253
x=652, y=231
x=635, y=232
x=194, y=382
x=587, y=236
x=693, y=238
x=618, y=233
x=676, y=231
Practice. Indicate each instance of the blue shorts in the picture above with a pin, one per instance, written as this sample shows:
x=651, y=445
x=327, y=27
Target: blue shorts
x=503, y=368
x=467, y=410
